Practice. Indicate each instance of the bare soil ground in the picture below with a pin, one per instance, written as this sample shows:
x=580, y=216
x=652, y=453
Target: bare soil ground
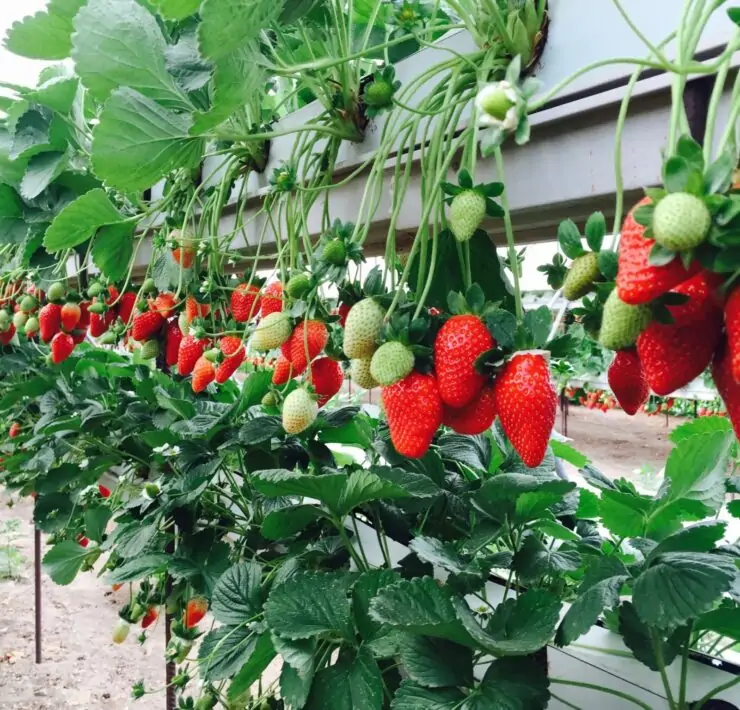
x=82, y=668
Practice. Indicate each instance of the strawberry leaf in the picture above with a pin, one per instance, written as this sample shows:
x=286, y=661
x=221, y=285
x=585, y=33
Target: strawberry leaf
x=464, y=179
x=676, y=173
x=502, y=325
x=570, y=239
x=643, y=215
x=691, y=152
x=608, y=264
x=718, y=177
x=595, y=231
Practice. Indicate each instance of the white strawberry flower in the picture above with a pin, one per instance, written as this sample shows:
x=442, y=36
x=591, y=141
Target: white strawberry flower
x=497, y=106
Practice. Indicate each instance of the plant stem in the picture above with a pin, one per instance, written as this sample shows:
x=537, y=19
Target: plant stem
x=603, y=689
x=509, y=236
x=716, y=691
x=658, y=651
x=684, y=669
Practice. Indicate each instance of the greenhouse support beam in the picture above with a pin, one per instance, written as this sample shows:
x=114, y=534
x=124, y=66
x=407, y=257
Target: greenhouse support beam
x=37, y=589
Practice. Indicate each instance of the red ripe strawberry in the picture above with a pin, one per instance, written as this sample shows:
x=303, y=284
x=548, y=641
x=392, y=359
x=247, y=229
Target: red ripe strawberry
x=326, y=377
x=459, y=343
x=204, y=373
x=672, y=356
x=637, y=281
x=727, y=386
x=84, y=316
x=70, y=314
x=283, y=371
x=163, y=304
x=703, y=298
x=78, y=336
x=343, y=312
x=146, y=325
x=149, y=618
x=82, y=540
x=272, y=299
x=126, y=306
x=7, y=335
x=189, y=352
x=245, y=302
x=103, y=490
x=414, y=412
x=230, y=365
x=230, y=345
x=172, y=339
x=195, y=611
x=473, y=418
x=98, y=324
x=50, y=321
x=627, y=381
x=112, y=295
x=526, y=403
x=732, y=326
x=62, y=346
x=194, y=309
x=307, y=341
x=15, y=430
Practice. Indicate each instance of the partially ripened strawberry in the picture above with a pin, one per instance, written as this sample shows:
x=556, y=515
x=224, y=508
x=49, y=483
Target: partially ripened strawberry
x=149, y=618
x=84, y=321
x=704, y=297
x=230, y=365
x=638, y=281
x=70, y=316
x=15, y=430
x=732, y=327
x=164, y=304
x=727, y=386
x=627, y=381
x=526, y=404
x=204, y=373
x=50, y=321
x=672, y=356
x=459, y=343
x=326, y=376
x=343, y=312
x=245, y=302
x=62, y=346
x=271, y=332
x=146, y=325
x=191, y=348
x=126, y=306
x=272, y=299
x=473, y=418
x=414, y=411
x=184, y=252
x=308, y=339
x=283, y=371
x=172, y=340
x=194, y=309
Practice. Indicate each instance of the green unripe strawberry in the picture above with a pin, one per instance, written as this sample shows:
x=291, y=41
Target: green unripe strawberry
x=4, y=317
x=466, y=214
x=152, y=490
x=298, y=285
x=19, y=319
x=622, y=323
x=95, y=290
x=335, y=252
x=360, y=375
x=98, y=308
x=120, y=631
x=581, y=276
x=108, y=338
x=182, y=322
x=390, y=363
x=150, y=349
x=273, y=330
x=56, y=292
x=28, y=304
x=269, y=400
x=362, y=329
x=299, y=411
x=212, y=354
x=681, y=221
x=148, y=286
x=378, y=94
x=32, y=325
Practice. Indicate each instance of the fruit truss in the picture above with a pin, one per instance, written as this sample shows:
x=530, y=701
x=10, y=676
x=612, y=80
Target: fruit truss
x=174, y=361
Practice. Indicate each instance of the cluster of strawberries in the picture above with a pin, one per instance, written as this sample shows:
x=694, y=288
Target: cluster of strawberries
x=595, y=399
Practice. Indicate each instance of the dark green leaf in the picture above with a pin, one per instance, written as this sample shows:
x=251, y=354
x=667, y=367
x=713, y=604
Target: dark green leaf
x=608, y=262
x=676, y=173
x=638, y=639
x=586, y=609
x=436, y=663
x=718, y=177
x=237, y=596
x=138, y=568
x=538, y=322
x=688, y=149
x=364, y=590
x=96, y=520
x=569, y=239
x=411, y=696
x=701, y=537
x=261, y=655
x=724, y=621
x=225, y=650
x=595, y=231
x=77, y=222
x=286, y=522
x=623, y=514
x=113, y=249
x=502, y=325
x=660, y=255
x=513, y=683
x=534, y=560
x=351, y=684
x=42, y=169
x=259, y=429
x=63, y=561
x=568, y=453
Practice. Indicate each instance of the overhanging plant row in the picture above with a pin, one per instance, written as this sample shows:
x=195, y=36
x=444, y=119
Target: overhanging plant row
x=245, y=498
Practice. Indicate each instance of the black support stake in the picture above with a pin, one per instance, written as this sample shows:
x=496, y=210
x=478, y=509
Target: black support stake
x=37, y=588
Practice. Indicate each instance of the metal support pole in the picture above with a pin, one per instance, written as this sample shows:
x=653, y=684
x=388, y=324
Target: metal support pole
x=37, y=588
x=169, y=671
x=563, y=413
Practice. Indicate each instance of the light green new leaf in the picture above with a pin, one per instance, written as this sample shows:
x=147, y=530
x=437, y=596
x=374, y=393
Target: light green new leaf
x=351, y=684
x=77, y=222
x=586, y=609
x=436, y=663
x=327, y=488
x=177, y=9
x=623, y=514
x=63, y=561
x=57, y=93
x=237, y=596
x=261, y=655
x=681, y=585
x=568, y=453
x=724, y=621
x=411, y=696
x=225, y=650
x=510, y=683
x=118, y=43
x=311, y=604
x=42, y=170
x=138, y=141
x=45, y=35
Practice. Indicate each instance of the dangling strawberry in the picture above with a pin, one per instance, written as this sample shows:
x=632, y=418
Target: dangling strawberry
x=173, y=337
x=727, y=386
x=164, y=304
x=299, y=411
x=84, y=321
x=343, y=312
x=732, y=326
x=459, y=343
x=230, y=345
x=475, y=417
x=184, y=252
x=146, y=325
x=70, y=314
x=189, y=352
x=204, y=373
x=672, y=356
x=283, y=371
x=50, y=321
x=526, y=403
x=326, y=376
x=245, y=302
x=638, y=281
x=62, y=346
x=307, y=340
x=229, y=366
x=103, y=490
x=7, y=335
x=703, y=295
x=15, y=430
x=126, y=306
x=627, y=381
x=414, y=411
x=149, y=618
x=194, y=309
x=195, y=611
x=272, y=299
